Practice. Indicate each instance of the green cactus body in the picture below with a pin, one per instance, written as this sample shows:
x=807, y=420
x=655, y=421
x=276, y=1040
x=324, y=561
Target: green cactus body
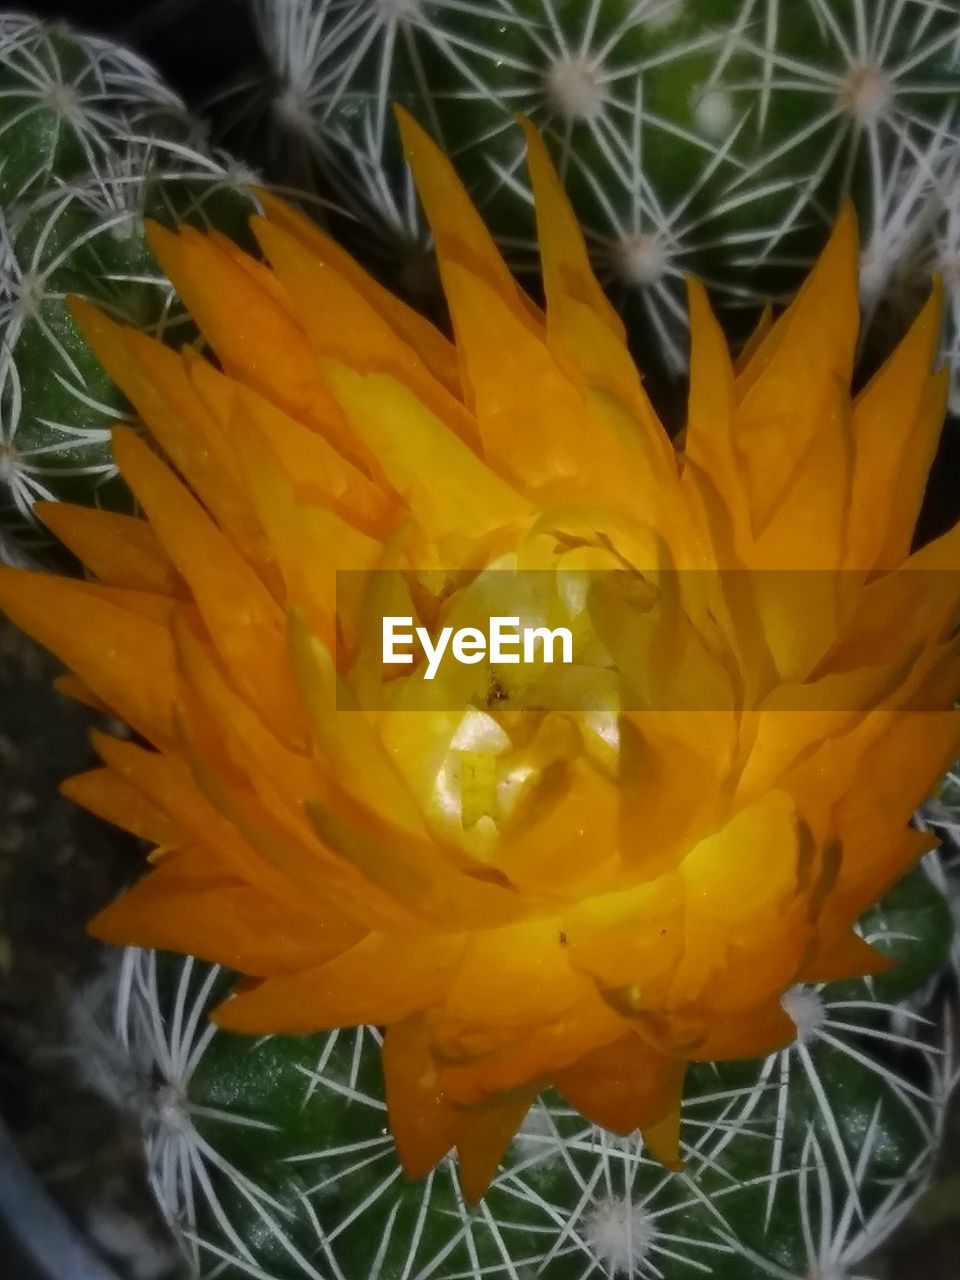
x=86, y=155
x=708, y=136
x=272, y=1156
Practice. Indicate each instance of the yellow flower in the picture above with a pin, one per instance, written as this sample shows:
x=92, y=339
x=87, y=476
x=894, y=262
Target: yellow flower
x=586, y=898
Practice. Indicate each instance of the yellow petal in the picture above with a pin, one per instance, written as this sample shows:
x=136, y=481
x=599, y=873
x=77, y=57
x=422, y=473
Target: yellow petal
x=342, y=325
x=438, y=478
x=315, y=470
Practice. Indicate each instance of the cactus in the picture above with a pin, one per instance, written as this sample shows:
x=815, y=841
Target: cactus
x=270, y=1157
x=91, y=143
x=691, y=135
x=712, y=136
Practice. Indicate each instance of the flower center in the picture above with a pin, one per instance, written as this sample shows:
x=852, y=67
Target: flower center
x=619, y=1234
x=804, y=1007
x=641, y=259
x=867, y=93
x=574, y=88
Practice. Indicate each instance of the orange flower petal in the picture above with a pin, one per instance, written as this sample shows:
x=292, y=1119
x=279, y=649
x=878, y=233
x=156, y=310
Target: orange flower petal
x=77, y=622
x=380, y=979
x=121, y=550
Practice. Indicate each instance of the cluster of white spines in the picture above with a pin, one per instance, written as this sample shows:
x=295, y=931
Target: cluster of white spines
x=569, y=1195
x=110, y=137
x=882, y=86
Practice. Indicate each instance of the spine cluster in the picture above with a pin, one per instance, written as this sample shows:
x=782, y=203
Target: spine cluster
x=91, y=144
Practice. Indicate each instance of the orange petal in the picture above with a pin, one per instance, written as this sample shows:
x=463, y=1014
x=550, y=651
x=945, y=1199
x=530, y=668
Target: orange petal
x=459, y=232
x=443, y=483
x=516, y=976
x=72, y=687
x=382, y=979
x=310, y=544
x=563, y=252
x=189, y=904
x=710, y=408
x=315, y=470
x=436, y=351
x=803, y=364
x=484, y=1139
x=154, y=378
x=894, y=433
x=414, y=872
x=624, y=1086
x=839, y=954
x=121, y=550
x=752, y=1033
x=111, y=797
x=424, y=1125
x=478, y=1062
x=633, y=937
x=343, y=325
x=244, y=622
x=566, y=451
x=108, y=646
x=662, y=1139
x=346, y=742
x=256, y=339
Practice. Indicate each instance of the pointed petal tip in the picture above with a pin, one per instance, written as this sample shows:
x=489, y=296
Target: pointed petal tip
x=697, y=297
x=10, y=583
x=46, y=510
x=662, y=1140
x=233, y=1015
x=935, y=299
x=108, y=924
x=124, y=445
x=89, y=319
x=80, y=307
x=531, y=133
x=414, y=137
x=842, y=248
x=848, y=221
x=158, y=236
